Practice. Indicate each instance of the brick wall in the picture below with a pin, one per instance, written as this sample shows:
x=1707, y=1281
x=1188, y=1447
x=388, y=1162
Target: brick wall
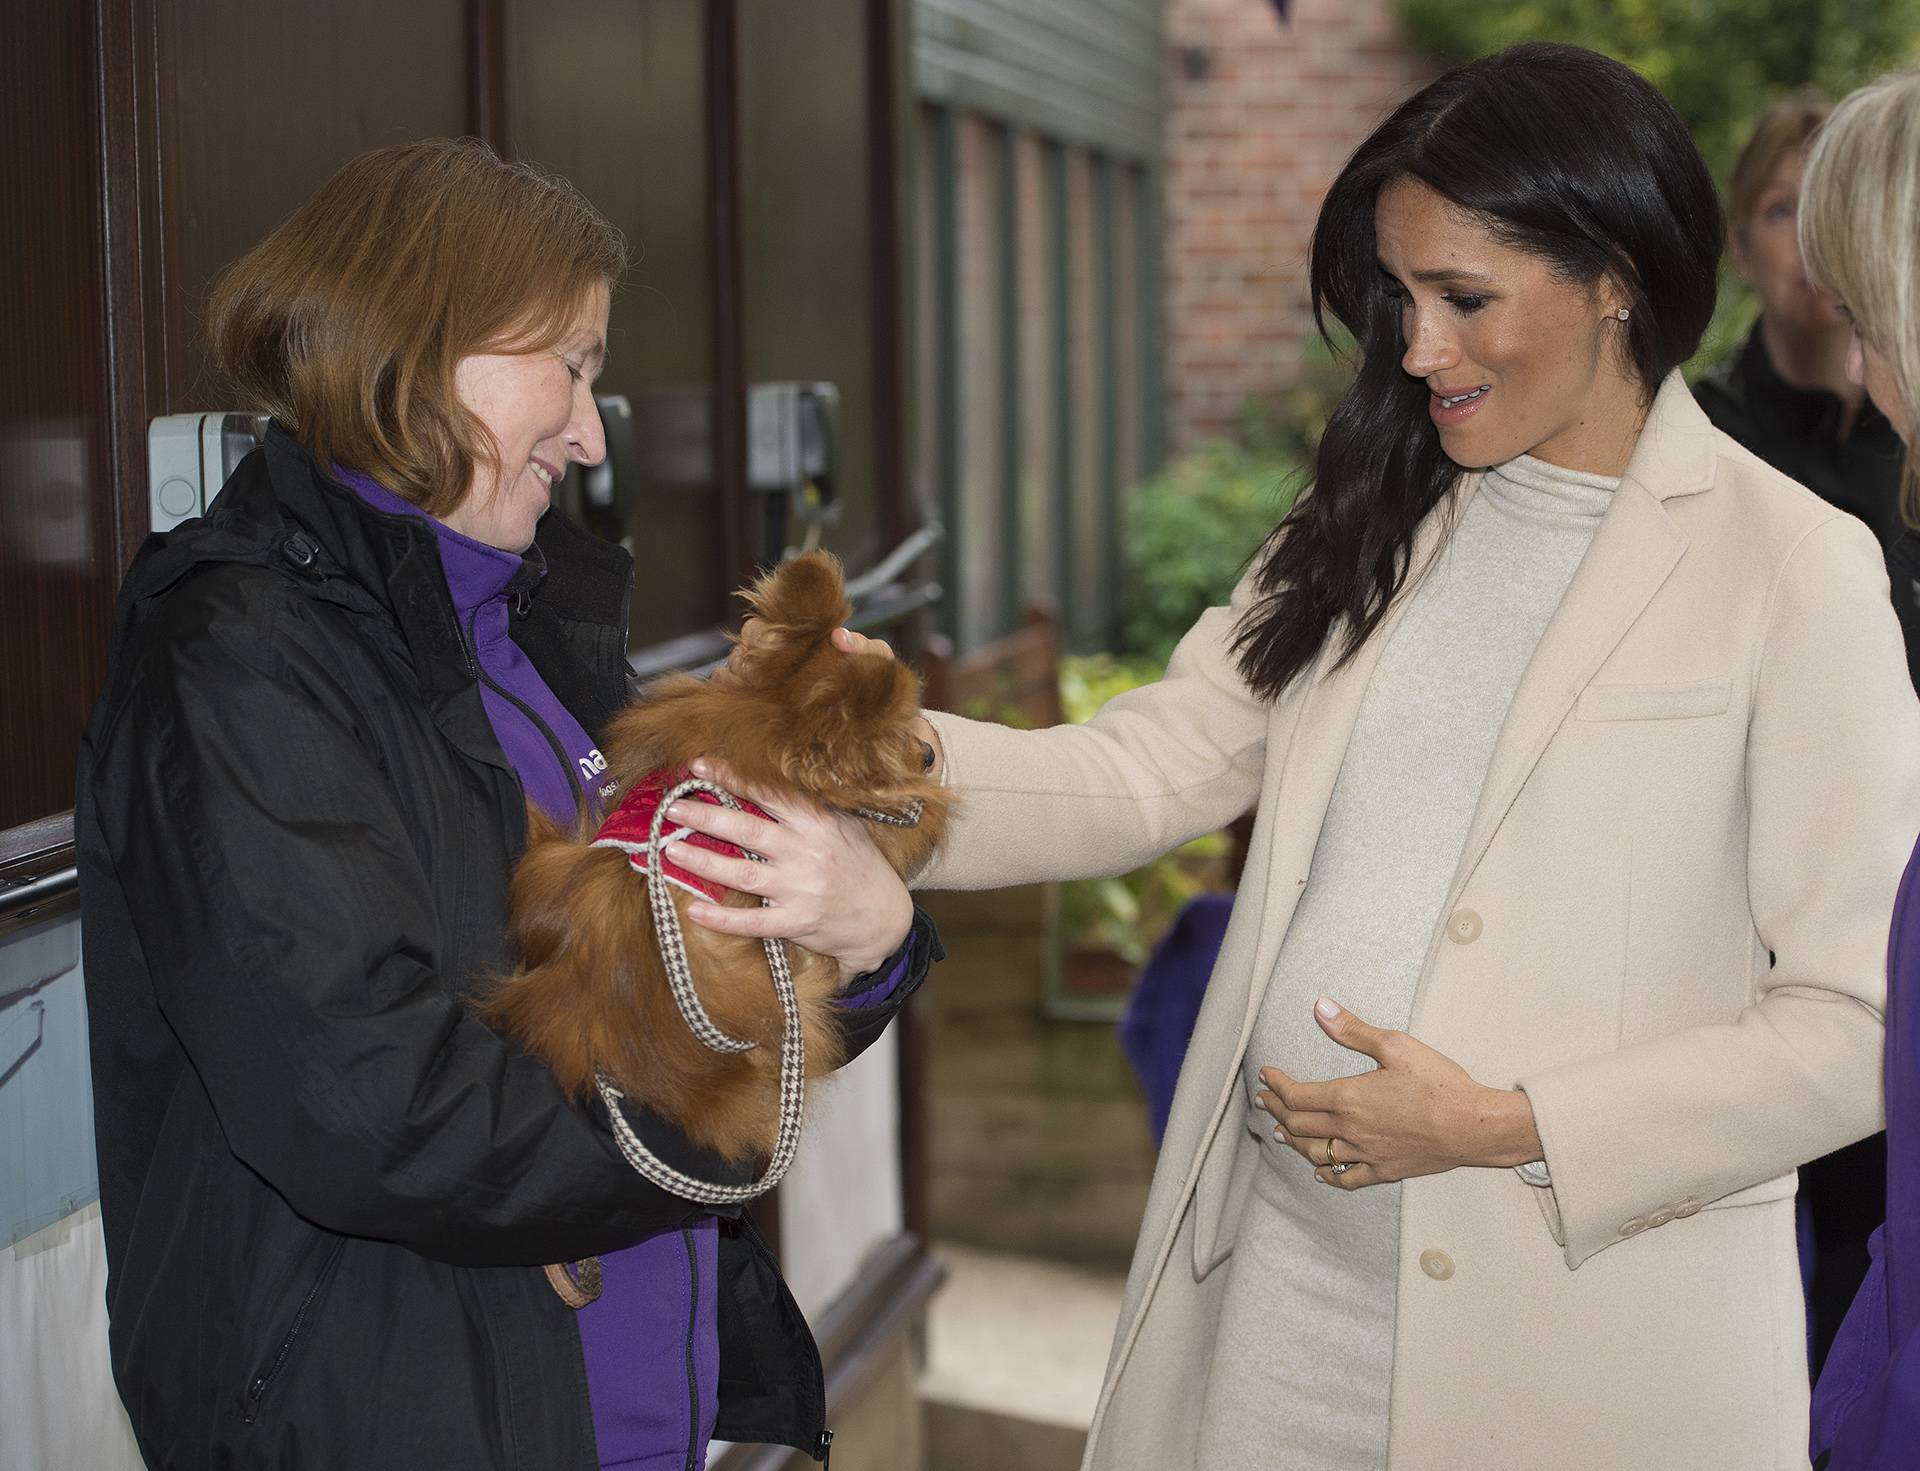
x=1261, y=116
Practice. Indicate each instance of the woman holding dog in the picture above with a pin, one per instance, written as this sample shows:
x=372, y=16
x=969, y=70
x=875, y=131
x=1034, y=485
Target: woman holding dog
x=1585, y=763
x=329, y=1192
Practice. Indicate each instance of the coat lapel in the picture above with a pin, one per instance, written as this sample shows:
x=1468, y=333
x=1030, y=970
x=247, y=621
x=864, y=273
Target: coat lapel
x=1634, y=551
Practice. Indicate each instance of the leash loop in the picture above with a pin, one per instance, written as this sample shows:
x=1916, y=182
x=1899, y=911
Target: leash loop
x=673, y=953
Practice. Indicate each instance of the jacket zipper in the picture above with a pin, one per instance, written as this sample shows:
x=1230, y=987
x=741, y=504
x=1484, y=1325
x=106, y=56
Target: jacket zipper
x=693, y=1380
x=468, y=647
x=257, y=1390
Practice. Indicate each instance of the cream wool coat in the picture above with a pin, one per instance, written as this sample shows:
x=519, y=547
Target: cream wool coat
x=1714, y=755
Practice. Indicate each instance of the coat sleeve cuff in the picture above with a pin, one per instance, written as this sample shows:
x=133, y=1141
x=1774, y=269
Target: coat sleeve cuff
x=872, y=1000
x=876, y=985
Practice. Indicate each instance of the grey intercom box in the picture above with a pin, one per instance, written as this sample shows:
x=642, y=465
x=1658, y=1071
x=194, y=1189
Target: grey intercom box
x=190, y=456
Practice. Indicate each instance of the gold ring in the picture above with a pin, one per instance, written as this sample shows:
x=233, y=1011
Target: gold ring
x=1330, y=1159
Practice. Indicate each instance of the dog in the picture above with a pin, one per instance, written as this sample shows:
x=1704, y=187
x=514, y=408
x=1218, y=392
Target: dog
x=789, y=714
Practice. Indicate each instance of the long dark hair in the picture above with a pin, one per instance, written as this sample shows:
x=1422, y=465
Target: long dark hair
x=1563, y=153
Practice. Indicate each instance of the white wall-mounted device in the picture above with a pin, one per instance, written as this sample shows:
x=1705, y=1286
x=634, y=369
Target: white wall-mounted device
x=190, y=456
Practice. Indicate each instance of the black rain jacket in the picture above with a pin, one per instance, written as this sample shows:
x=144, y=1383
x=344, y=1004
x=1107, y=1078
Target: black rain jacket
x=327, y=1189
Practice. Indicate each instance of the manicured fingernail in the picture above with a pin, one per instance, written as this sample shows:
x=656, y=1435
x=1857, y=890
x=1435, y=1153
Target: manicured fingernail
x=1281, y=1135
x=1323, y=1177
x=678, y=812
x=1326, y=1008
x=702, y=767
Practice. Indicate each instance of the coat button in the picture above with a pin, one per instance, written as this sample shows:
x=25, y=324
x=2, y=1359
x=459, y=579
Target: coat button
x=1687, y=1207
x=1463, y=927
x=1436, y=1264
x=1663, y=1215
x=1633, y=1227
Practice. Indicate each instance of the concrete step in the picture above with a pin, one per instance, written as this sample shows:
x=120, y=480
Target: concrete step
x=1016, y=1349
x=961, y=1439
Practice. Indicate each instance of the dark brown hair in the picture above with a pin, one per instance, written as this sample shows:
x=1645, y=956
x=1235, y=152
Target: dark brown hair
x=346, y=323
x=1558, y=151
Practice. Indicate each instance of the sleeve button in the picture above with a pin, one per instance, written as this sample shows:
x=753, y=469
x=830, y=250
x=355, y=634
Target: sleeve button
x=1436, y=1264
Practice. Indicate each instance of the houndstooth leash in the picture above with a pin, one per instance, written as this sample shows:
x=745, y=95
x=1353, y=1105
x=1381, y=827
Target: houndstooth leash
x=673, y=952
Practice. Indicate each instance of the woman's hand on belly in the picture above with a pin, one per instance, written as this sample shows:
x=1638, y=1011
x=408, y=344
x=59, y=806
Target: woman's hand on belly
x=1417, y=1113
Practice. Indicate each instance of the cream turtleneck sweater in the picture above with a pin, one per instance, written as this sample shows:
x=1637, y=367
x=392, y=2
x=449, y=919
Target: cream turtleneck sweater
x=1304, y=1359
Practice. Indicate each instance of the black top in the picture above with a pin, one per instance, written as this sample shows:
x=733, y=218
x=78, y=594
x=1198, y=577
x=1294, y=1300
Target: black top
x=1798, y=432
x=326, y=1187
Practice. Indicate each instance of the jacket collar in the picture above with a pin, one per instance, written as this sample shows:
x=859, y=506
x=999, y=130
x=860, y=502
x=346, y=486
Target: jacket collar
x=390, y=557
x=377, y=549
x=1675, y=453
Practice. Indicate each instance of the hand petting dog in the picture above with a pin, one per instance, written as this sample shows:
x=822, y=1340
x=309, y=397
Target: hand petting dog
x=823, y=884
x=824, y=745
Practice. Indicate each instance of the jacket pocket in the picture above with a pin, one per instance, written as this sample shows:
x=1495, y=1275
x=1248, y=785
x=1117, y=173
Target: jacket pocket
x=1655, y=701
x=274, y=1364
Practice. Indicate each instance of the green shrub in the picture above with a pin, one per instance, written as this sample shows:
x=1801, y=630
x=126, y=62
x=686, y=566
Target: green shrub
x=1129, y=914
x=1191, y=531
x=1720, y=62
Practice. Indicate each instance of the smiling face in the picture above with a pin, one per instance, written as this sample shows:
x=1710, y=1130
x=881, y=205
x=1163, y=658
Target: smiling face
x=539, y=408
x=1516, y=359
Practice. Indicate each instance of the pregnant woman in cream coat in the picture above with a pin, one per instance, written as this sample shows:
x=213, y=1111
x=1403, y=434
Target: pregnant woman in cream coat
x=1586, y=766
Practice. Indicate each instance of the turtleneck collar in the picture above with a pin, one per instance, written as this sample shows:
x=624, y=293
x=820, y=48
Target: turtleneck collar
x=1531, y=489
x=476, y=573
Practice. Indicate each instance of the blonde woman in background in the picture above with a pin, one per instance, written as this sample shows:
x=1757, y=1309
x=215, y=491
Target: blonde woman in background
x=1860, y=231
x=1786, y=395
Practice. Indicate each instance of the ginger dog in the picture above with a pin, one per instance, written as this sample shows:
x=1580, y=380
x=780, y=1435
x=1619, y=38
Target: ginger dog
x=790, y=714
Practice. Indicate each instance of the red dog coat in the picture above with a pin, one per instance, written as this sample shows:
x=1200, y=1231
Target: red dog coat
x=632, y=821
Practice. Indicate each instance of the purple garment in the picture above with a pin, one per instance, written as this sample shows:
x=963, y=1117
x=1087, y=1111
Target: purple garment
x=651, y=1340
x=879, y=990
x=652, y=1345
x=558, y=766
x=1866, y=1407
x=1165, y=1003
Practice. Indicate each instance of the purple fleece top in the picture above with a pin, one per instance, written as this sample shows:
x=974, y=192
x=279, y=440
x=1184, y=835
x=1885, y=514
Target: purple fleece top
x=651, y=1340
x=1866, y=1407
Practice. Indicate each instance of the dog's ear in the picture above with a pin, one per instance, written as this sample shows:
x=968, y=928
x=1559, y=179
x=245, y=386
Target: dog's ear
x=845, y=712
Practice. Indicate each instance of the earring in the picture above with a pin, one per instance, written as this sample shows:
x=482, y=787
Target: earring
x=1624, y=313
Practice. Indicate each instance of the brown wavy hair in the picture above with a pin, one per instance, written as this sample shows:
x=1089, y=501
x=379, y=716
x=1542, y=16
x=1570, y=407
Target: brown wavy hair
x=346, y=323
x=1558, y=151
